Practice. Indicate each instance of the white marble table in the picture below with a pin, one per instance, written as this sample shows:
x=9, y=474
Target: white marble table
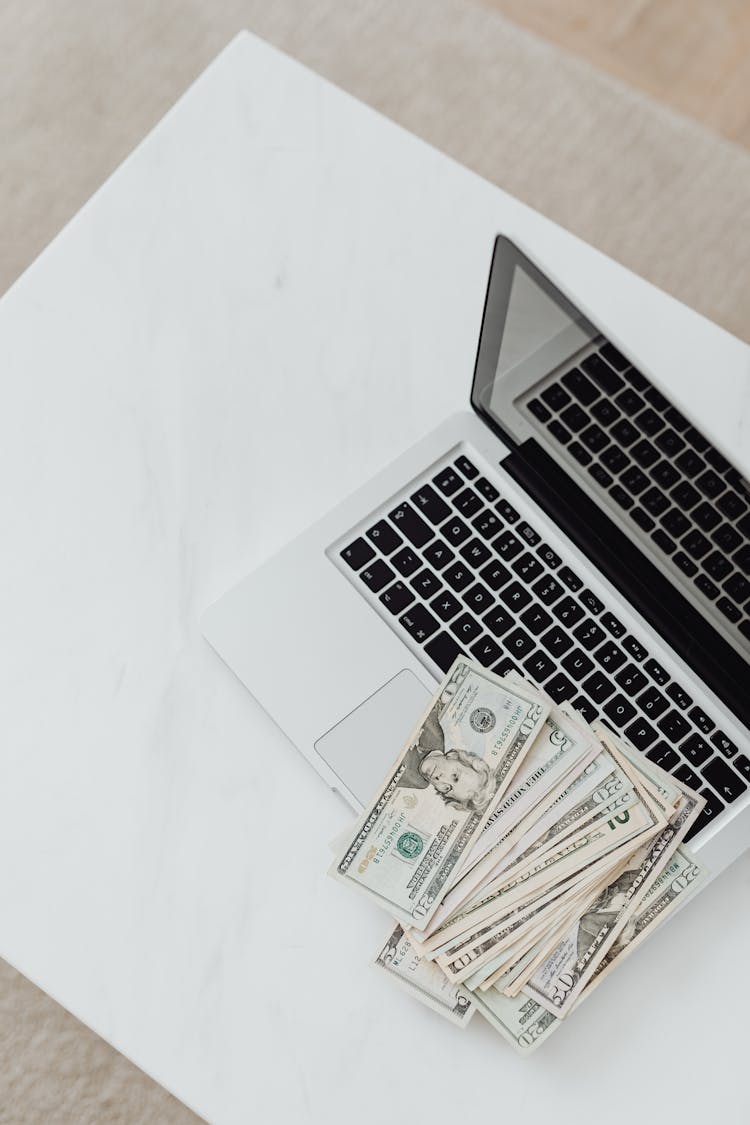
x=278, y=291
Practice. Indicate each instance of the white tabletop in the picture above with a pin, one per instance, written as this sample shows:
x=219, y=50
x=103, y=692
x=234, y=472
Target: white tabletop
x=276, y=293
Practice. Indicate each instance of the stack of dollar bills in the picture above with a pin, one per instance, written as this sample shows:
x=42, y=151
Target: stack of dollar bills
x=522, y=852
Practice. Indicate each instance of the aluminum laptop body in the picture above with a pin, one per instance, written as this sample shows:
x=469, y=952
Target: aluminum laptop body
x=573, y=524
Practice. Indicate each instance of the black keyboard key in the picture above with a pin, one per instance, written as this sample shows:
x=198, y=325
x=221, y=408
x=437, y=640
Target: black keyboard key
x=486, y=651
x=726, y=538
x=696, y=544
x=411, y=525
x=548, y=556
x=717, y=565
x=507, y=511
x=475, y=552
x=679, y=696
x=731, y=504
x=498, y=620
x=670, y=443
x=742, y=559
x=696, y=440
x=539, y=666
x=636, y=379
x=569, y=612
x=701, y=720
x=464, y=465
x=685, y=496
x=589, y=634
x=516, y=596
x=376, y=576
x=536, y=619
x=744, y=627
x=621, y=497
x=406, y=561
x=574, y=417
x=656, y=672
x=397, y=597
x=455, y=531
x=706, y=516
x=605, y=412
x=579, y=385
x=652, y=702
x=602, y=374
x=506, y=665
x=635, y=648
x=645, y=454
x=556, y=641
x=663, y=541
x=559, y=688
x=585, y=708
x=743, y=765
x=631, y=679
x=676, y=420
x=634, y=480
x=589, y=600
x=518, y=643
x=675, y=522
x=687, y=777
x=438, y=554
x=656, y=398
x=425, y=583
x=432, y=506
x=729, y=609
x=710, y=484
x=690, y=463
x=465, y=628
x=619, y=710
x=664, y=474
x=384, y=537
x=719, y=463
x=612, y=625
x=581, y=455
x=539, y=410
x=486, y=524
x=674, y=726
x=615, y=459
x=487, y=490
x=507, y=546
x=610, y=656
x=458, y=576
x=445, y=606
x=478, y=598
x=613, y=357
x=577, y=664
x=443, y=649
x=654, y=501
x=358, y=553
x=571, y=580
x=598, y=687
x=419, y=623
x=724, y=744
x=559, y=432
x=548, y=590
x=600, y=475
x=594, y=438
x=695, y=749
x=686, y=565
x=663, y=755
x=724, y=780
x=555, y=397
x=629, y=402
x=448, y=481
x=650, y=423
x=467, y=502
x=624, y=433
x=738, y=588
x=528, y=567
x=527, y=533
x=495, y=574
x=743, y=526
x=641, y=734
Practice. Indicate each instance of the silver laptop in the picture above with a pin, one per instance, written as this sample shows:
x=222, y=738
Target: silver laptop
x=574, y=524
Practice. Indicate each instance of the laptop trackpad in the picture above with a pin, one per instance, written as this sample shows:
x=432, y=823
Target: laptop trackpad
x=362, y=746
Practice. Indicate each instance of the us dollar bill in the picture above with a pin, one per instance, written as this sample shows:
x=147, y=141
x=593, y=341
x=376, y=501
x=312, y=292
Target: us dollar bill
x=408, y=846
x=520, y=1020
x=424, y=979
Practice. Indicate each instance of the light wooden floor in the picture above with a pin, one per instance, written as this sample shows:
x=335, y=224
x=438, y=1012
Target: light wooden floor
x=693, y=55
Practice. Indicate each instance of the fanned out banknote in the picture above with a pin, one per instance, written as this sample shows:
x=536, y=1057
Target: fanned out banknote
x=523, y=854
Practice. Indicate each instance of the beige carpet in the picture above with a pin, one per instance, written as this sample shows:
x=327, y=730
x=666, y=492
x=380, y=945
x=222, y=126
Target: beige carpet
x=82, y=81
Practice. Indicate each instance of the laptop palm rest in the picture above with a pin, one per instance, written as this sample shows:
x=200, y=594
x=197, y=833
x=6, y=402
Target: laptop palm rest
x=363, y=745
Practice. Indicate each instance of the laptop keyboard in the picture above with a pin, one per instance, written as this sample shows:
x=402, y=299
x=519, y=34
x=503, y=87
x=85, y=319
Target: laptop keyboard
x=458, y=569
x=659, y=471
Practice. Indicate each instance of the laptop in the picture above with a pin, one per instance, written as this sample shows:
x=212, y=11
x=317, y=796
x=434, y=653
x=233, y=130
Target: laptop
x=574, y=525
